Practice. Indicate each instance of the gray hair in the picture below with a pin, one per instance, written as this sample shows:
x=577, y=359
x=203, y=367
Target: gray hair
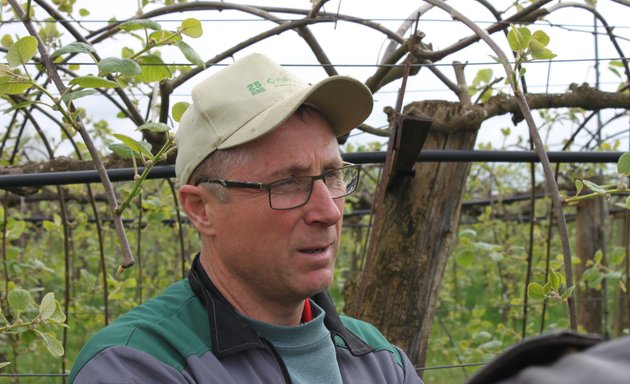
x=217, y=165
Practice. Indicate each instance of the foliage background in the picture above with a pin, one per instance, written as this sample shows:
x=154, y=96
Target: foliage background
x=49, y=246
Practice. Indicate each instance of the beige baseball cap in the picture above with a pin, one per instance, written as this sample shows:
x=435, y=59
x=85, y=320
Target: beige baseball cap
x=253, y=96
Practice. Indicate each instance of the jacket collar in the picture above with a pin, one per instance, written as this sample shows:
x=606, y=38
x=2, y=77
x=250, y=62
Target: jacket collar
x=230, y=333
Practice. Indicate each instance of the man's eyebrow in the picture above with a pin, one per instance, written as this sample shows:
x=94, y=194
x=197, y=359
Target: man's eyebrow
x=293, y=169
x=302, y=169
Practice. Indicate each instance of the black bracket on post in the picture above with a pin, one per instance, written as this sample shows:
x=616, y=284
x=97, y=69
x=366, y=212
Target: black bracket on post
x=409, y=139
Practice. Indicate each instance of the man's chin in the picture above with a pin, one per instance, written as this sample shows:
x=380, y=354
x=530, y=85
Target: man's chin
x=317, y=287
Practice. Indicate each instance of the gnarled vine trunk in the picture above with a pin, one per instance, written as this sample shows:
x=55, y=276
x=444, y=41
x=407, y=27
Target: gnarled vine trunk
x=413, y=233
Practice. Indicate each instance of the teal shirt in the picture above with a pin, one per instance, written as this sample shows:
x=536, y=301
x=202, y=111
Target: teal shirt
x=307, y=349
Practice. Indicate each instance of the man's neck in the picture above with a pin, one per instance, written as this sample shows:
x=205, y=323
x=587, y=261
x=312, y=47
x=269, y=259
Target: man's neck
x=251, y=304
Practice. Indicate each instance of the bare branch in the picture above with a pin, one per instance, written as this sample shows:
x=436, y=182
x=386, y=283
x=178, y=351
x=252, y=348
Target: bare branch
x=527, y=14
x=609, y=30
x=317, y=5
x=462, y=87
x=404, y=27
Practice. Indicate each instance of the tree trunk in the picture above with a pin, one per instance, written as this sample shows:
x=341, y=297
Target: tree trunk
x=413, y=233
x=589, y=239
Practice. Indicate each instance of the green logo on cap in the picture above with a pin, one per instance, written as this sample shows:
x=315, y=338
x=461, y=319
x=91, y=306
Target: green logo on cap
x=255, y=88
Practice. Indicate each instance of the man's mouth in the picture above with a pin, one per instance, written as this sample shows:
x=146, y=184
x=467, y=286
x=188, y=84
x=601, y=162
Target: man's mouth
x=312, y=250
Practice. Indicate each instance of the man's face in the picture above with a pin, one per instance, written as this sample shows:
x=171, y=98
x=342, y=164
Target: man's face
x=272, y=255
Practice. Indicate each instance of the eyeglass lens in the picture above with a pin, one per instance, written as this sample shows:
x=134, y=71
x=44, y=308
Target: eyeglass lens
x=294, y=192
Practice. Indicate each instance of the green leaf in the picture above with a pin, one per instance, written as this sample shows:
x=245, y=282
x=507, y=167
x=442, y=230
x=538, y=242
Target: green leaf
x=138, y=146
x=153, y=69
x=616, y=256
x=75, y=47
x=594, y=187
x=484, y=247
x=52, y=344
x=15, y=229
x=628, y=202
x=22, y=51
x=518, y=38
x=84, y=12
x=164, y=37
x=19, y=299
x=613, y=276
x=496, y=256
x=13, y=87
x=535, y=291
x=123, y=151
x=191, y=27
x=543, y=54
x=6, y=41
x=154, y=127
x=579, y=185
x=178, y=110
x=48, y=306
x=125, y=67
x=190, y=54
x=93, y=82
x=540, y=37
x=592, y=276
x=554, y=279
x=467, y=234
x=566, y=294
x=58, y=316
x=132, y=25
x=465, y=258
x=5, y=71
x=126, y=52
x=547, y=288
x=23, y=104
x=78, y=94
x=623, y=164
x=49, y=225
x=490, y=344
x=599, y=255
x=483, y=77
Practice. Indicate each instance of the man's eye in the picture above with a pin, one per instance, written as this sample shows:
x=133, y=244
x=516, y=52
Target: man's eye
x=287, y=185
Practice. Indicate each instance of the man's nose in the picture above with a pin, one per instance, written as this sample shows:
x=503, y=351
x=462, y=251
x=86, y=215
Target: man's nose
x=321, y=207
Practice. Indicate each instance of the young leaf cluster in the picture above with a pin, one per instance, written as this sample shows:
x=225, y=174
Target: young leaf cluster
x=527, y=46
x=551, y=290
x=608, y=190
x=48, y=312
x=596, y=272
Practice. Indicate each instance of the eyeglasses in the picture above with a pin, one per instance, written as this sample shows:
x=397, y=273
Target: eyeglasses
x=294, y=192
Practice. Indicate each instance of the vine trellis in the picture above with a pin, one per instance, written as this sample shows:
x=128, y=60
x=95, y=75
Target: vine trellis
x=27, y=92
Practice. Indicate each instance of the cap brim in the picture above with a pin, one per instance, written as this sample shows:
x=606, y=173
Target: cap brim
x=344, y=101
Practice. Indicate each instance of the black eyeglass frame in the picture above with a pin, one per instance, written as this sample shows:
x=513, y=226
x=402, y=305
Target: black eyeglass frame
x=267, y=186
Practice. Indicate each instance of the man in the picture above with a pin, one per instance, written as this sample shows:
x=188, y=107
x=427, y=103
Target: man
x=263, y=182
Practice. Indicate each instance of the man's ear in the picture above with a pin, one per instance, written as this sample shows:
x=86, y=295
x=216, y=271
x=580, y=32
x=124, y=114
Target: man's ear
x=194, y=202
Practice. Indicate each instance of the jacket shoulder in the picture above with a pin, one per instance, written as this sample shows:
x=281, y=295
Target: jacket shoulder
x=166, y=327
x=371, y=336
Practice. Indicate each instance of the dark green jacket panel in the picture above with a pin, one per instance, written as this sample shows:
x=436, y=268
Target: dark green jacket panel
x=166, y=327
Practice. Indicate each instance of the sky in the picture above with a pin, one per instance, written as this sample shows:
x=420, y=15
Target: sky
x=356, y=50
